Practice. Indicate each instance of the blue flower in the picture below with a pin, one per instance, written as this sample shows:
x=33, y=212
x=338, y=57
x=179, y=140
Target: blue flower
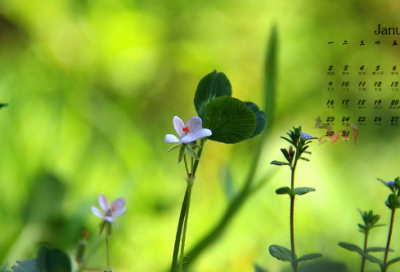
x=305, y=135
x=390, y=183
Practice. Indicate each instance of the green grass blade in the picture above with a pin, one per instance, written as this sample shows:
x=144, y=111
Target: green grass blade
x=270, y=75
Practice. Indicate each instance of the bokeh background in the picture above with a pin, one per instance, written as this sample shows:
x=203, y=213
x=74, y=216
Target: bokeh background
x=93, y=85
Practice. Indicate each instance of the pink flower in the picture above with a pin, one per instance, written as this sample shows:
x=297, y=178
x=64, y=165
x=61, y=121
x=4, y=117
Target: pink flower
x=190, y=132
x=116, y=209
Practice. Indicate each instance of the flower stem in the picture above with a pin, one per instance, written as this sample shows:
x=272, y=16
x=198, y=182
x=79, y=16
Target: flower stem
x=292, y=198
x=189, y=190
x=179, y=233
x=365, y=250
x=108, y=254
x=389, y=237
x=294, y=265
x=196, y=163
x=184, y=210
x=186, y=167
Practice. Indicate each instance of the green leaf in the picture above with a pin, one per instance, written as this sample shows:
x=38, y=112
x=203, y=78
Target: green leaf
x=362, y=227
x=393, y=202
x=355, y=248
x=229, y=120
x=259, y=269
x=181, y=153
x=3, y=105
x=261, y=119
x=372, y=259
x=308, y=257
x=194, y=146
x=350, y=247
x=279, y=163
x=397, y=182
x=173, y=147
x=303, y=190
x=52, y=259
x=210, y=87
x=290, y=141
x=284, y=191
x=304, y=159
x=281, y=253
x=393, y=261
x=378, y=249
x=191, y=152
x=25, y=266
x=286, y=154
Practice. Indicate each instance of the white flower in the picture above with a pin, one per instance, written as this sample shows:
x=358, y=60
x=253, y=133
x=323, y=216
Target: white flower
x=190, y=132
x=116, y=209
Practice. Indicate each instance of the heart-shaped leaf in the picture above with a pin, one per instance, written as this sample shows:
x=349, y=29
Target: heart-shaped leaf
x=52, y=259
x=261, y=119
x=229, y=120
x=210, y=87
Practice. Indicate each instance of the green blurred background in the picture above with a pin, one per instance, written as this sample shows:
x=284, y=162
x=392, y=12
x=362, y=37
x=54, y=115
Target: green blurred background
x=93, y=85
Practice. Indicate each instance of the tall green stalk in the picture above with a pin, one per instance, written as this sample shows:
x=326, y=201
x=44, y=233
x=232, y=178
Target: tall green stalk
x=388, y=241
x=292, y=198
x=189, y=190
x=184, y=215
x=365, y=250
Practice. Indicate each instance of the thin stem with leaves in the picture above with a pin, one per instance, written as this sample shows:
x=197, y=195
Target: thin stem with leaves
x=180, y=238
x=292, y=198
x=389, y=237
x=365, y=250
x=108, y=253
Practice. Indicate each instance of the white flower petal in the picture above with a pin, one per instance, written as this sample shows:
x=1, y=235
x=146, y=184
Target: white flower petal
x=194, y=124
x=119, y=212
x=97, y=212
x=205, y=132
x=169, y=138
x=118, y=204
x=190, y=137
x=108, y=218
x=103, y=202
x=178, y=125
